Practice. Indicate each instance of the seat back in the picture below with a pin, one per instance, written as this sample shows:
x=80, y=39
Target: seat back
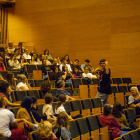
x=119, y=138
x=129, y=87
x=96, y=82
x=50, y=75
x=4, y=73
x=19, y=95
x=33, y=93
x=15, y=73
x=67, y=107
x=15, y=110
x=126, y=80
x=126, y=137
x=76, y=82
x=31, y=82
x=134, y=135
x=96, y=102
x=138, y=86
x=40, y=108
x=86, y=104
x=39, y=67
x=53, y=91
x=30, y=68
x=38, y=82
x=4, y=138
x=76, y=105
x=37, y=74
x=130, y=114
x=114, y=89
x=122, y=89
x=35, y=136
x=53, y=105
x=117, y=81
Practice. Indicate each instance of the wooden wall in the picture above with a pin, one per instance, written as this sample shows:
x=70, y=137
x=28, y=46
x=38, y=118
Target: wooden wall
x=92, y=29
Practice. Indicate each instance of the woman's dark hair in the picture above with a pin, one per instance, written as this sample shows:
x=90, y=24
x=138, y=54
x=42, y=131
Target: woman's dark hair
x=60, y=83
x=61, y=99
x=68, y=58
x=78, y=73
x=3, y=87
x=45, y=86
x=102, y=60
x=54, y=68
x=36, y=56
x=48, y=98
x=87, y=60
x=34, y=99
x=107, y=109
x=46, y=50
x=63, y=68
x=20, y=44
x=9, y=78
x=117, y=110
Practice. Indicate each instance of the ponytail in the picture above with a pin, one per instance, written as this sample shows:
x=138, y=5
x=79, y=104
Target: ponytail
x=58, y=105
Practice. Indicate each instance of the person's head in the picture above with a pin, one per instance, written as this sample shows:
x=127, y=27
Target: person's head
x=87, y=61
x=22, y=78
x=134, y=91
x=35, y=57
x=75, y=70
x=1, y=60
x=64, y=68
x=62, y=121
x=9, y=77
x=76, y=62
x=55, y=69
x=46, y=52
x=34, y=101
x=45, y=86
x=58, y=59
x=6, y=51
x=86, y=70
x=107, y=109
x=16, y=52
x=67, y=58
x=2, y=102
x=22, y=58
x=102, y=63
x=10, y=44
x=55, y=61
x=42, y=57
x=27, y=51
x=60, y=84
x=117, y=110
x=61, y=100
x=44, y=62
x=20, y=44
x=4, y=87
x=48, y=98
x=44, y=130
x=27, y=102
x=63, y=61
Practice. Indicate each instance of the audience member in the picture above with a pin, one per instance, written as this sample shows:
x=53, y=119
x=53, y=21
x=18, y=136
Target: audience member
x=5, y=91
x=60, y=90
x=7, y=119
x=107, y=120
x=61, y=128
x=23, y=61
x=67, y=59
x=58, y=60
x=76, y=73
x=25, y=112
x=76, y=64
x=10, y=48
x=56, y=75
x=63, y=63
x=42, y=57
x=34, y=110
x=48, y=109
x=134, y=99
x=11, y=80
x=17, y=54
x=23, y=83
x=47, y=55
x=54, y=64
x=21, y=49
x=45, y=131
x=35, y=60
x=2, y=66
x=66, y=75
x=26, y=54
x=6, y=54
x=87, y=73
x=87, y=64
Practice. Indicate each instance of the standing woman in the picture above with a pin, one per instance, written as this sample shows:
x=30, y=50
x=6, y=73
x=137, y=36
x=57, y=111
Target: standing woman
x=67, y=59
x=47, y=55
x=11, y=80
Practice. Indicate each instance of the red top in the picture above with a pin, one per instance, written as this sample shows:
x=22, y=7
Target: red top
x=1, y=68
x=51, y=139
x=112, y=124
x=3, y=95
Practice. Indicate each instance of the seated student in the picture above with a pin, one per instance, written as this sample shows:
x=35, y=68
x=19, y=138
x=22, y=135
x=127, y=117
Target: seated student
x=23, y=61
x=35, y=60
x=134, y=99
x=23, y=83
x=61, y=86
x=11, y=80
x=14, y=63
x=7, y=119
x=87, y=64
x=45, y=131
x=58, y=60
x=107, y=120
x=56, y=75
x=61, y=128
x=76, y=73
x=5, y=91
x=66, y=75
x=6, y=54
x=59, y=108
x=67, y=59
x=76, y=64
x=25, y=112
x=42, y=57
x=2, y=66
x=47, y=55
x=45, y=88
x=34, y=110
x=87, y=73
x=17, y=53
x=48, y=109
x=10, y=48
x=64, y=63
x=26, y=54
x=55, y=64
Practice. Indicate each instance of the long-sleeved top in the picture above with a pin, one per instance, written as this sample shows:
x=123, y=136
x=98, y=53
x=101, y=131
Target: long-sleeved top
x=15, y=65
x=112, y=124
x=60, y=91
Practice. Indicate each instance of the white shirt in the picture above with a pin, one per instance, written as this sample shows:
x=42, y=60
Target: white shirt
x=27, y=56
x=10, y=50
x=35, y=62
x=6, y=117
x=15, y=65
x=48, y=110
x=60, y=109
x=21, y=84
x=68, y=66
x=89, y=75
